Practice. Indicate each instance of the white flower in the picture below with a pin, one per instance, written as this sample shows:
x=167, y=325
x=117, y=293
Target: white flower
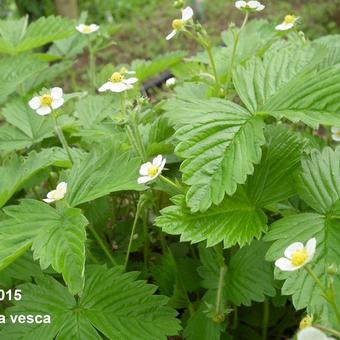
x=312, y=333
x=87, y=29
x=296, y=256
x=47, y=102
x=288, y=23
x=335, y=134
x=178, y=24
x=170, y=82
x=57, y=194
x=118, y=83
x=150, y=171
x=249, y=5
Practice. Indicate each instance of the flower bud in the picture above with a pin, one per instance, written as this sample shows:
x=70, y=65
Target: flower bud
x=179, y=4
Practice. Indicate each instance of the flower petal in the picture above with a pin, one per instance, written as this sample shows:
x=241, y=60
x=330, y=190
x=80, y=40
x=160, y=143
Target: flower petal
x=161, y=167
x=62, y=187
x=48, y=200
x=51, y=194
x=105, y=87
x=143, y=179
x=94, y=27
x=34, y=103
x=131, y=80
x=80, y=28
x=311, y=246
x=240, y=4
x=44, y=110
x=292, y=249
x=284, y=27
x=311, y=333
x=333, y=129
x=157, y=161
x=118, y=87
x=56, y=92
x=336, y=137
x=171, y=35
x=253, y=4
x=260, y=8
x=187, y=13
x=57, y=103
x=144, y=168
x=285, y=265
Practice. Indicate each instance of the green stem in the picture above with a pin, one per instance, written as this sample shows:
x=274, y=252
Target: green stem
x=138, y=138
x=233, y=53
x=328, y=298
x=171, y=183
x=219, y=294
x=123, y=103
x=61, y=137
x=213, y=65
x=265, y=319
x=133, y=141
x=102, y=245
x=92, y=65
x=146, y=239
x=138, y=210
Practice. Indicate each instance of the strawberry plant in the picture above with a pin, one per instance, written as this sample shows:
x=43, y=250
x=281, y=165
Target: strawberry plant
x=209, y=209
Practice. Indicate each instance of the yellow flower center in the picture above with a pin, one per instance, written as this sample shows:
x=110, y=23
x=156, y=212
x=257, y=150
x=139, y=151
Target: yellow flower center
x=299, y=257
x=86, y=29
x=306, y=322
x=116, y=77
x=289, y=19
x=152, y=170
x=46, y=99
x=177, y=24
x=337, y=133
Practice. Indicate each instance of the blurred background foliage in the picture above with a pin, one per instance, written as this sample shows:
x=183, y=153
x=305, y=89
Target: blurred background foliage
x=143, y=24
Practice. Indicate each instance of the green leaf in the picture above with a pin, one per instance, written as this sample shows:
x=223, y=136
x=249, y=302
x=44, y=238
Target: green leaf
x=18, y=170
x=319, y=181
x=113, y=304
x=93, y=109
x=15, y=70
x=249, y=277
x=219, y=149
x=34, y=127
x=234, y=221
x=145, y=69
x=17, y=39
x=289, y=83
x=318, y=185
x=100, y=173
x=272, y=180
x=13, y=139
x=57, y=238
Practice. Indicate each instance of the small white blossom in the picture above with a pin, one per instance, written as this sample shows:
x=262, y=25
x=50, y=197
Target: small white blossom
x=150, y=171
x=249, y=5
x=57, y=194
x=179, y=24
x=170, y=82
x=287, y=24
x=47, y=102
x=118, y=82
x=297, y=255
x=87, y=29
x=312, y=333
x=335, y=134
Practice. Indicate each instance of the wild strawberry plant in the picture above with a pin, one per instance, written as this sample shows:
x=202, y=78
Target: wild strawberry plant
x=211, y=211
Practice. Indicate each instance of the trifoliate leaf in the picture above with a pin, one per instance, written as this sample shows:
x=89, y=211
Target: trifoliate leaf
x=57, y=238
x=100, y=173
x=113, y=304
x=220, y=149
x=234, y=221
